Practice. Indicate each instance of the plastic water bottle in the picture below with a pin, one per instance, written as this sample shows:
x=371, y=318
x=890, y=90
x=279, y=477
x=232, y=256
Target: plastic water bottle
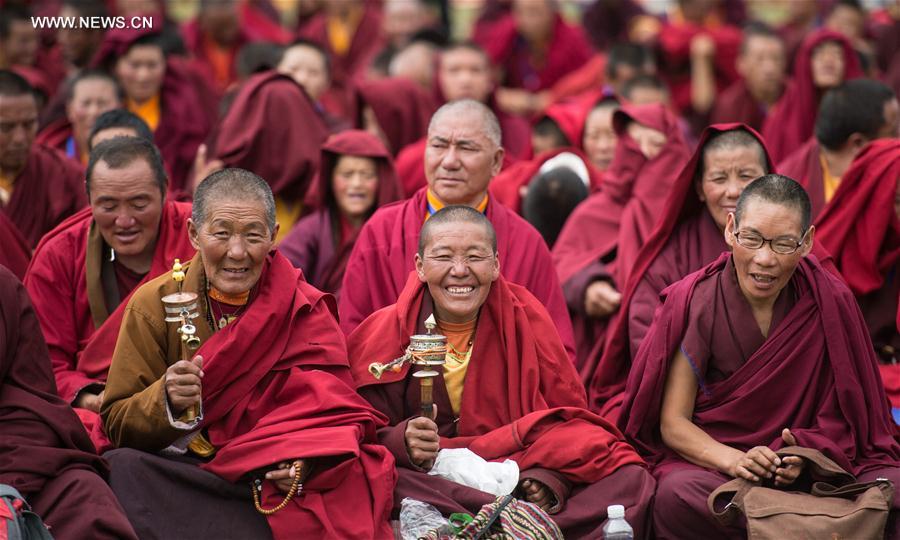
x=616, y=527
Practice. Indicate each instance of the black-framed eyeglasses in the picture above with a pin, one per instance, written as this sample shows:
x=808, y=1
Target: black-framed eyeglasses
x=783, y=245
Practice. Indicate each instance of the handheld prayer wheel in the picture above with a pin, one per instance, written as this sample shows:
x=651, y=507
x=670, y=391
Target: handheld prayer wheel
x=425, y=350
x=181, y=307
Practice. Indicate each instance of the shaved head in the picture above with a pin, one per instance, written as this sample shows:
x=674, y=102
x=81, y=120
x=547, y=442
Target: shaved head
x=452, y=215
x=489, y=124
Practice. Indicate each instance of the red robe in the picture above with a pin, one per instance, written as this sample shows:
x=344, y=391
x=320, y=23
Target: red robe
x=58, y=135
x=601, y=238
x=737, y=104
x=317, y=245
x=47, y=191
x=45, y=453
x=805, y=166
x=273, y=129
x=14, y=252
x=568, y=50
x=401, y=108
x=860, y=228
x=522, y=401
x=64, y=280
x=791, y=120
x=384, y=255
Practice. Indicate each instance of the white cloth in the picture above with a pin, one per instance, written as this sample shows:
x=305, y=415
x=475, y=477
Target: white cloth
x=570, y=161
x=465, y=467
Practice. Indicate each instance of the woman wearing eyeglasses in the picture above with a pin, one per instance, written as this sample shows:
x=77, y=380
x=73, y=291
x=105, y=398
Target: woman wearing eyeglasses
x=761, y=349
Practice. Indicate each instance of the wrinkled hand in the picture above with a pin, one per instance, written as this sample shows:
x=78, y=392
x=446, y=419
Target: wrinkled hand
x=703, y=47
x=183, y=384
x=758, y=463
x=601, y=299
x=89, y=401
x=791, y=466
x=649, y=140
x=422, y=442
x=537, y=493
x=283, y=476
x=204, y=168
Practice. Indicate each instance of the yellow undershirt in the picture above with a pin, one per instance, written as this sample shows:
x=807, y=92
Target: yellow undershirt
x=340, y=32
x=286, y=215
x=6, y=188
x=149, y=111
x=456, y=361
x=829, y=181
x=434, y=204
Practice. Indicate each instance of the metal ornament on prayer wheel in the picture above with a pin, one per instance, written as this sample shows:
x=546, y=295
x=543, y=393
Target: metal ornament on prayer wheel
x=425, y=350
x=181, y=307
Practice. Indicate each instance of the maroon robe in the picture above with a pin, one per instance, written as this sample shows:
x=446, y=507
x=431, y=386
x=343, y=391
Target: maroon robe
x=817, y=364
x=568, y=49
x=522, y=400
x=273, y=129
x=860, y=228
x=316, y=245
x=14, y=252
x=805, y=166
x=187, y=107
x=737, y=104
x=293, y=400
x=602, y=236
x=58, y=135
x=792, y=119
x=384, y=255
x=48, y=190
x=72, y=288
x=401, y=108
x=44, y=451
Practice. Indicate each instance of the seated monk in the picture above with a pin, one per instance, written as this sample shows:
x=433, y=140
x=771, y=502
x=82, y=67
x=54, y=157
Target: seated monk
x=760, y=349
x=46, y=454
x=598, y=245
x=860, y=227
x=278, y=407
x=84, y=271
x=523, y=400
x=356, y=177
x=850, y=116
x=88, y=95
x=39, y=186
x=462, y=156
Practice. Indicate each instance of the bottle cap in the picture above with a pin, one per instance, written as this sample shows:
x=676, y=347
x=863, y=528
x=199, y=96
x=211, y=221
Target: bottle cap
x=615, y=511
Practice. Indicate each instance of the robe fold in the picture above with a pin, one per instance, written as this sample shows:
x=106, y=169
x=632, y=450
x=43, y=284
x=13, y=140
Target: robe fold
x=817, y=364
x=685, y=240
x=805, y=166
x=58, y=135
x=44, y=451
x=737, y=104
x=401, y=108
x=860, y=228
x=273, y=129
x=15, y=254
x=791, y=121
x=187, y=106
x=384, y=255
x=602, y=236
x=291, y=398
x=567, y=50
x=66, y=280
x=317, y=245
x=522, y=400
x=48, y=190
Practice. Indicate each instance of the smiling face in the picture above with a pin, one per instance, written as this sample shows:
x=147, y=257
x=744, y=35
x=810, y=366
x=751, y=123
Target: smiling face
x=233, y=241
x=126, y=204
x=91, y=97
x=762, y=273
x=828, y=65
x=140, y=72
x=355, y=184
x=460, y=159
x=726, y=172
x=458, y=265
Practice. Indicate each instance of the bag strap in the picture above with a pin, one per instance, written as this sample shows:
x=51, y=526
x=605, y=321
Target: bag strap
x=822, y=466
x=495, y=515
x=824, y=489
x=8, y=491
